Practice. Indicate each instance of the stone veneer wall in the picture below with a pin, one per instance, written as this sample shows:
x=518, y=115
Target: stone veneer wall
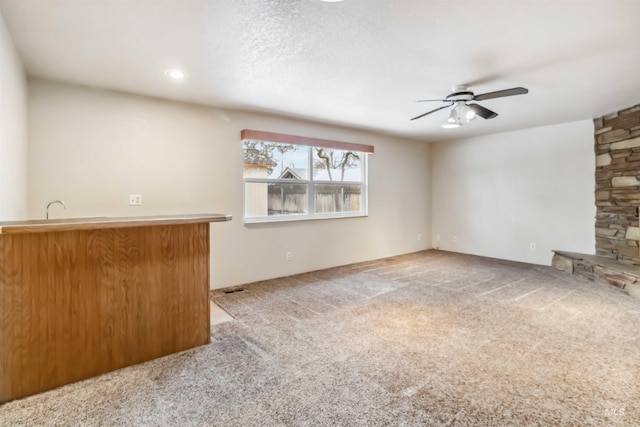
x=617, y=146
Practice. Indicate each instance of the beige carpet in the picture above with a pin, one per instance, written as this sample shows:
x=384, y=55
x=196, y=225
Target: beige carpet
x=431, y=338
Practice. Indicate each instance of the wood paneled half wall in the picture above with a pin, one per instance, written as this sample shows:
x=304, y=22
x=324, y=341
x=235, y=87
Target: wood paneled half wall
x=79, y=303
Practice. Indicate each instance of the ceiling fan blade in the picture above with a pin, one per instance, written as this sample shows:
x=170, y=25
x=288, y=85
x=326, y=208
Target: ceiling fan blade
x=432, y=100
x=485, y=113
x=501, y=93
x=432, y=111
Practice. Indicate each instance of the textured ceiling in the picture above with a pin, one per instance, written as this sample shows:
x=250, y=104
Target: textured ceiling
x=359, y=63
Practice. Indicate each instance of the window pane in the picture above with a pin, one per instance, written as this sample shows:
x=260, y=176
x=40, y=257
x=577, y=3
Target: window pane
x=264, y=159
x=269, y=199
x=256, y=197
x=336, y=165
x=338, y=198
x=288, y=199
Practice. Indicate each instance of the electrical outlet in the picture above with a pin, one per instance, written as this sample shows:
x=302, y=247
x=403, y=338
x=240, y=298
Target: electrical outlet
x=289, y=256
x=419, y=236
x=454, y=238
x=135, y=199
x=532, y=246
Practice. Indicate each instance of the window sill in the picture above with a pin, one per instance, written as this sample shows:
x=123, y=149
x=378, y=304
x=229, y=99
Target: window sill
x=295, y=218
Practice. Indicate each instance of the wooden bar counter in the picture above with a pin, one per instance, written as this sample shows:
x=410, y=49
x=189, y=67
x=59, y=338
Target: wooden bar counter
x=81, y=297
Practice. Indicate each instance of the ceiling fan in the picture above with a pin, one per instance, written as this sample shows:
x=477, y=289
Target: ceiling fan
x=464, y=112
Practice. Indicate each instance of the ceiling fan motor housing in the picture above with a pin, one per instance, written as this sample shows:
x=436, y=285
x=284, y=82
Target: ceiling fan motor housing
x=460, y=93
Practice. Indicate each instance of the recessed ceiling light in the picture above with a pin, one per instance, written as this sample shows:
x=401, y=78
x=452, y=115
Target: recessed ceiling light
x=175, y=74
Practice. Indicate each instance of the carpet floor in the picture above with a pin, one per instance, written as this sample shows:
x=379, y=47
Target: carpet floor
x=430, y=338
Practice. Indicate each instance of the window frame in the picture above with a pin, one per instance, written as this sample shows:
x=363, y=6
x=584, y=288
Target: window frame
x=310, y=182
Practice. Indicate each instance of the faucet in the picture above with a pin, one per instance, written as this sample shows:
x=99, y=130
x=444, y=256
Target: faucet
x=51, y=203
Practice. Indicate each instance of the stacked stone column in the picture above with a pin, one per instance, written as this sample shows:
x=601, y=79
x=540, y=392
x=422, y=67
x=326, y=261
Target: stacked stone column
x=617, y=147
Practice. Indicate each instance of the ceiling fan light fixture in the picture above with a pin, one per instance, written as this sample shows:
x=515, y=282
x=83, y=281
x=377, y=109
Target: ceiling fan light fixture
x=463, y=113
x=469, y=113
x=453, y=116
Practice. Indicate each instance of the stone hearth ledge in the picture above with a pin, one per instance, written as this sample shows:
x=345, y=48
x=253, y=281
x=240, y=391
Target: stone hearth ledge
x=601, y=269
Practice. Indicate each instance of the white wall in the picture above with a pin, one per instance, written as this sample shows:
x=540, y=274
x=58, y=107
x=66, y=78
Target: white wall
x=93, y=148
x=501, y=192
x=13, y=131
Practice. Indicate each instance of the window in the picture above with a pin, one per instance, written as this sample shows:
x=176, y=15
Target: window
x=289, y=177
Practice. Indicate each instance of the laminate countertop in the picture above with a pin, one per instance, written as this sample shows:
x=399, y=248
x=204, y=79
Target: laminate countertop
x=67, y=224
